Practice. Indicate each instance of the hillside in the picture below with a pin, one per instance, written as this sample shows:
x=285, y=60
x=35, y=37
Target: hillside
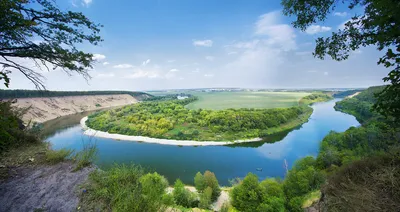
x=46, y=108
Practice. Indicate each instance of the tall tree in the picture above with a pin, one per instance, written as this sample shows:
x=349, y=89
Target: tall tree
x=378, y=26
x=39, y=31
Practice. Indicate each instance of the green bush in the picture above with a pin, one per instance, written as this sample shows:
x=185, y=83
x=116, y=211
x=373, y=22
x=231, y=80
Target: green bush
x=250, y=195
x=199, y=182
x=56, y=156
x=124, y=188
x=182, y=196
x=205, y=198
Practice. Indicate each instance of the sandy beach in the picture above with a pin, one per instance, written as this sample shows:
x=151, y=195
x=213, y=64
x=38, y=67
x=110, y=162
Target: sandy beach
x=96, y=133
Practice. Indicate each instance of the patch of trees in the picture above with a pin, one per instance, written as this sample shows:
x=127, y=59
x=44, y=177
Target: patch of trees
x=343, y=94
x=168, y=97
x=361, y=105
x=315, y=97
x=11, y=94
x=170, y=119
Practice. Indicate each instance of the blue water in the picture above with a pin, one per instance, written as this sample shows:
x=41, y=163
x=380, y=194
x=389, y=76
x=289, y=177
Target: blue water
x=227, y=162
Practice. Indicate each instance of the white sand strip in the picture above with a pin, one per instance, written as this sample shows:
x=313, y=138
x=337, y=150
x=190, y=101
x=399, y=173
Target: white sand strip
x=96, y=133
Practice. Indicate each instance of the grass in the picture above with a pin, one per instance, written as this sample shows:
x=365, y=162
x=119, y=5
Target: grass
x=57, y=156
x=311, y=198
x=225, y=100
x=86, y=156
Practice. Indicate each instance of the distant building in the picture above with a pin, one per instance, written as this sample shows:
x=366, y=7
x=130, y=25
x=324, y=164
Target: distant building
x=182, y=97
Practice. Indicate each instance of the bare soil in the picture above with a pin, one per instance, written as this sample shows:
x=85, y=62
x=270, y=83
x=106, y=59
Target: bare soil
x=42, y=188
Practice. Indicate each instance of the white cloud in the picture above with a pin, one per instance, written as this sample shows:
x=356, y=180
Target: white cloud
x=146, y=62
x=281, y=35
x=340, y=14
x=312, y=71
x=305, y=53
x=205, y=43
x=109, y=75
x=170, y=61
x=173, y=70
x=98, y=57
x=140, y=73
x=106, y=63
x=231, y=53
x=123, y=66
x=245, y=45
x=326, y=73
x=209, y=75
x=314, y=29
x=197, y=70
x=86, y=2
x=210, y=58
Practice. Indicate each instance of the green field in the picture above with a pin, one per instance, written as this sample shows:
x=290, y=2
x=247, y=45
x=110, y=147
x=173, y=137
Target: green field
x=224, y=100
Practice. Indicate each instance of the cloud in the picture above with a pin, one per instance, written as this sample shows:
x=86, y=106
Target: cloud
x=281, y=35
x=109, y=75
x=304, y=53
x=140, y=73
x=197, y=70
x=231, y=53
x=106, y=63
x=209, y=75
x=170, y=61
x=245, y=45
x=146, y=62
x=173, y=70
x=86, y=2
x=123, y=66
x=205, y=43
x=326, y=73
x=312, y=71
x=340, y=14
x=98, y=57
x=314, y=29
x=210, y=58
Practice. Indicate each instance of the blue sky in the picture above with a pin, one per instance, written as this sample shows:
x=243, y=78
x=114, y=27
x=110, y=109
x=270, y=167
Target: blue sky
x=164, y=44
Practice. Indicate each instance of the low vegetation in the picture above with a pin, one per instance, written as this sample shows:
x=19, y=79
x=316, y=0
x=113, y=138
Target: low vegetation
x=130, y=188
x=315, y=97
x=57, y=156
x=171, y=120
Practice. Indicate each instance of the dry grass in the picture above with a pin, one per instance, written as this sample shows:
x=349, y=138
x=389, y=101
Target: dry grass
x=371, y=184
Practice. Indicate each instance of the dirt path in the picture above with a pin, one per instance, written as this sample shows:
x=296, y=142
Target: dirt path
x=50, y=188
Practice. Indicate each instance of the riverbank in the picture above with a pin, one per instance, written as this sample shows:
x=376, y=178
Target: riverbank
x=96, y=133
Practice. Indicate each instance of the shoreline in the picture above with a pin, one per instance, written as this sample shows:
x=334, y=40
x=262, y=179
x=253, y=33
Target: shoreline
x=101, y=134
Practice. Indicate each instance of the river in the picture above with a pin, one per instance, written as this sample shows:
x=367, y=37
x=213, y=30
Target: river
x=227, y=162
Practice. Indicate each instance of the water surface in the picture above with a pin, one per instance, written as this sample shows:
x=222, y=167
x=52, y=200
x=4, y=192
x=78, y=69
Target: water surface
x=227, y=162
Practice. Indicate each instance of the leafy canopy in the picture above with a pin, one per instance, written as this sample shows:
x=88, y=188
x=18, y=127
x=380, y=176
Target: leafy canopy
x=378, y=26
x=39, y=31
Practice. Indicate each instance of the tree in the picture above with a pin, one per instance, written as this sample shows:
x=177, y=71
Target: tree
x=211, y=181
x=38, y=31
x=205, y=198
x=378, y=26
x=181, y=195
x=247, y=195
x=199, y=182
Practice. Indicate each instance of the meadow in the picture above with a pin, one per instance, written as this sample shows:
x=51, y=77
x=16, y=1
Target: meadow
x=225, y=100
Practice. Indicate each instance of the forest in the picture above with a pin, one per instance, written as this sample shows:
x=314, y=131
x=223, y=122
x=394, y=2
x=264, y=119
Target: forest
x=171, y=120
x=356, y=164
x=10, y=94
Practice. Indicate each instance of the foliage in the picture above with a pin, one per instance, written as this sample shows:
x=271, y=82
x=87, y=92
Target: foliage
x=199, y=182
x=86, y=156
x=205, y=198
x=124, y=188
x=10, y=94
x=210, y=181
x=250, y=195
x=377, y=26
x=343, y=94
x=12, y=131
x=360, y=106
x=371, y=184
x=168, y=97
x=56, y=156
x=58, y=33
x=169, y=119
x=182, y=196
x=315, y=97
x=302, y=179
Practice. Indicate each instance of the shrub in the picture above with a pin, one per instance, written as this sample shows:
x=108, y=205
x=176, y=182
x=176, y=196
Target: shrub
x=153, y=187
x=211, y=181
x=182, y=196
x=86, y=156
x=205, y=198
x=56, y=156
x=199, y=182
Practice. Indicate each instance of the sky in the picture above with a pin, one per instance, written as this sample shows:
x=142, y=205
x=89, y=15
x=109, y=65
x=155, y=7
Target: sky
x=172, y=44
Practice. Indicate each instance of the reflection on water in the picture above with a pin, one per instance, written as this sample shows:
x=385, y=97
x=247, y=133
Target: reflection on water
x=227, y=162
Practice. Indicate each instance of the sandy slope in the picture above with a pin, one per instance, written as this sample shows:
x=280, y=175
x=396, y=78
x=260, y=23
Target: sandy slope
x=44, y=109
x=50, y=188
x=96, y=133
